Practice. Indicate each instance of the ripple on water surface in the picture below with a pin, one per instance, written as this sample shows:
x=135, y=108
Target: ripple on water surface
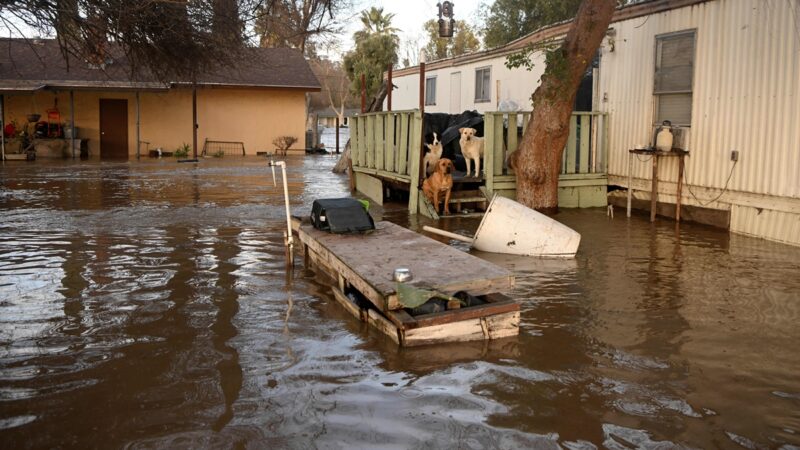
x=150, y=300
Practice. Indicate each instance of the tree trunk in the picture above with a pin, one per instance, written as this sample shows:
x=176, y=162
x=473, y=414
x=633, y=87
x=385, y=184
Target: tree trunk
x=537, y=164
x=376, y=104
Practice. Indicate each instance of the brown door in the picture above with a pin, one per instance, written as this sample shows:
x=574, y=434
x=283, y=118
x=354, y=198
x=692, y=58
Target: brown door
x=113, y=128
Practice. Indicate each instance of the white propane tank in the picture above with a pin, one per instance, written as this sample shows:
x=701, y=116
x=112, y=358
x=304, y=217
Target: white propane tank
x=664, y=137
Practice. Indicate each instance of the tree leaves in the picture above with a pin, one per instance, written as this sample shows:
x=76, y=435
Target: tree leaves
x=463, y=41
x=376, y=48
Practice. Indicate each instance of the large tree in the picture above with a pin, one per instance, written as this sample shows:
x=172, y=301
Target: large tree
x=172, y=39
x=537, y=161
x=376, y=47
x=464, y=40
x=335, y=93
x=300, y=24
x=507, y=20
x=167, y=39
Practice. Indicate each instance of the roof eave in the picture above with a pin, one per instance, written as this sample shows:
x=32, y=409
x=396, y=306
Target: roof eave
x=550, y=32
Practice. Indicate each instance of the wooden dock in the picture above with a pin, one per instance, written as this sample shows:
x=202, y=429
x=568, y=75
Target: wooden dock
x=363, y=265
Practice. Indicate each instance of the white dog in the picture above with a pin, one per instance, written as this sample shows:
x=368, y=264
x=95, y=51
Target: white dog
x=471, y=148
x=432, y=157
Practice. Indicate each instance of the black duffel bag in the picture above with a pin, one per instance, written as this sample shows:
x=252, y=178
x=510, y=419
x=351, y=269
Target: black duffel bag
x=341, y=215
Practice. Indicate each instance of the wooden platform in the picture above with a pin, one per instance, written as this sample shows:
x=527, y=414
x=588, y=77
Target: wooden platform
x=366, y=263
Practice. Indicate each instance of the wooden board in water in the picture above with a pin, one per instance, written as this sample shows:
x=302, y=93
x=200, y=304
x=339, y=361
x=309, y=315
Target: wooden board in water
x=367, y=261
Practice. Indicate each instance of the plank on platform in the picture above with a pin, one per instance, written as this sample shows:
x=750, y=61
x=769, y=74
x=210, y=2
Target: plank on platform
x=367, y=261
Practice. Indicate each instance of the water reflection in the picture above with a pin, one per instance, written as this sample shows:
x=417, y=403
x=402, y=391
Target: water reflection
x=146, y=305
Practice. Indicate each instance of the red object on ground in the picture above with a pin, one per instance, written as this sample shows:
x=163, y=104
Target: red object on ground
x=9, y=130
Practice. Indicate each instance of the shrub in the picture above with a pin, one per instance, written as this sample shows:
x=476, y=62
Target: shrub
x=283, y=143
x=182, y=151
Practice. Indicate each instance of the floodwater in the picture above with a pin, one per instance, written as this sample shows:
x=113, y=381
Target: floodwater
x=146, y=305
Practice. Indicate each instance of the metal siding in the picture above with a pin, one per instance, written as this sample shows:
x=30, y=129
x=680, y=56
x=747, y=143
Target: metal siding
x=745, y=94
x=773, y=225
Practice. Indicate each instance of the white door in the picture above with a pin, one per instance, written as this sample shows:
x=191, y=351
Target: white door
x=455, y=93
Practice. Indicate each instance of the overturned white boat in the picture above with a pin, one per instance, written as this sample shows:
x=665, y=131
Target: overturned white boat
x=512, y=228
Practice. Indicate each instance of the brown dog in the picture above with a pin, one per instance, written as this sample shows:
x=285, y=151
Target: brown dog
x=440, y=181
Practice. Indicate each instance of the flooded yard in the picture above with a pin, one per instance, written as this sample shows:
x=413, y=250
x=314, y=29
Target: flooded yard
x=146, y=305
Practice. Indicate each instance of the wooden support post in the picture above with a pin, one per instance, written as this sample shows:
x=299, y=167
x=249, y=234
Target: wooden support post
x=680, y=188
x=337, y=134
x=138, y=127
x=415, y=160
x=420, y=176
x=654, y=191
x=350, y=171
x=389, y=89
x=194, y=121
x=630, y=180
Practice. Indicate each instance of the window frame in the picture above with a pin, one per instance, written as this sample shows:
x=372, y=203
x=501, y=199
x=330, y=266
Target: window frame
x=488, y=94
x=432, y=100
x=656, y=63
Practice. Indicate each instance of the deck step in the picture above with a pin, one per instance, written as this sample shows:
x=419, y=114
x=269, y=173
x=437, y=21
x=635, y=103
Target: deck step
x=468, y=199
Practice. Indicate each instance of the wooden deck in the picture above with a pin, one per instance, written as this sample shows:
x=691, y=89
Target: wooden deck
x=386, y=152
x=366, y=264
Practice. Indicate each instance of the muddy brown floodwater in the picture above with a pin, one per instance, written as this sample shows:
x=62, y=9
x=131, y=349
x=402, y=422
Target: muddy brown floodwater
x=146, y=305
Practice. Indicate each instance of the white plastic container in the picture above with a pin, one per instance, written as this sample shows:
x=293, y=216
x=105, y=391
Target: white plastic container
x=512, y=228
x=664, y=139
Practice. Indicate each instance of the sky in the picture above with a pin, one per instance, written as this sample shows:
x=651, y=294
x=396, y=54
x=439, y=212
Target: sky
x=409, y=15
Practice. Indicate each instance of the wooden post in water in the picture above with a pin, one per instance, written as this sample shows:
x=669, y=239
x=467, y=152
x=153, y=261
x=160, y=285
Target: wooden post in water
x=630, y=181
x=680, y=189
x=337, y=134
x=654, y=192
x=138, y=127
x=72, y=122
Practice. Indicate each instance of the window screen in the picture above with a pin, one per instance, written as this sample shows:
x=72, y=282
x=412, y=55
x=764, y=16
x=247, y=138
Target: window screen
x=673, y=77
x=430, y=91
x=483, y=84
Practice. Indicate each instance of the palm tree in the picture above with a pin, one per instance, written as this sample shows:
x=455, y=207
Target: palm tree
x=376, y=24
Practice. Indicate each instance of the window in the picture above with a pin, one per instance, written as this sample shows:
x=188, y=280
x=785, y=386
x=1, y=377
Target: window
x=430, y=91
x=483, y=84
x=673, y=77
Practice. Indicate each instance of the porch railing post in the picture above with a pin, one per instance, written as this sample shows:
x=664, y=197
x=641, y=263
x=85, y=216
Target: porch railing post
x=488, y=151
x=414, y=151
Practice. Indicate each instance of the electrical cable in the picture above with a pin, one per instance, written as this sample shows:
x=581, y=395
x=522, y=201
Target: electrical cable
x=724, y=190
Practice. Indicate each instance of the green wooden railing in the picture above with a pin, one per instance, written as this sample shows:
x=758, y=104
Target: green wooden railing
x=584, y=155
x=387, y=144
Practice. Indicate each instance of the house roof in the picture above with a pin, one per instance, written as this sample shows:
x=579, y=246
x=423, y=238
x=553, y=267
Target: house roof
x=641, y=9
x=32, y=64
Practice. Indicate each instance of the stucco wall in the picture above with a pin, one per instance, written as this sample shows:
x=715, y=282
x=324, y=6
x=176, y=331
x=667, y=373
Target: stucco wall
x=252, y=116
